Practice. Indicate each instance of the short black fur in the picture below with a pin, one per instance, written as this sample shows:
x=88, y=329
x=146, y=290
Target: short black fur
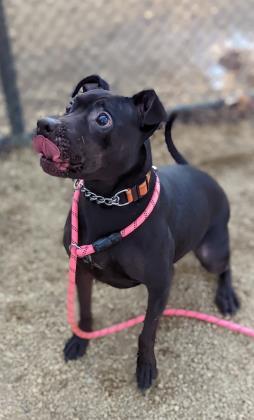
x=191, y=215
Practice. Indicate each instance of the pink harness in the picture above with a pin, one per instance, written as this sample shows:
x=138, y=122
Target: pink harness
x=84, y=250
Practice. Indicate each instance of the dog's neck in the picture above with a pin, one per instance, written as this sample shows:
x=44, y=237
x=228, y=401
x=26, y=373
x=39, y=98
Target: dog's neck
x=134, y=176
x=97, y=221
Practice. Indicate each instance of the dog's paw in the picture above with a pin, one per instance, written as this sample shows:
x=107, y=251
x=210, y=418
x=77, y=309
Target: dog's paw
x=227, y=301
x=146, y=372
x=75, y=348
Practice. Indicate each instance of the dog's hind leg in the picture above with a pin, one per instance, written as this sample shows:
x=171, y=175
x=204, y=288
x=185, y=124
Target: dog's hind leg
x=214, y=255
x=76, y=347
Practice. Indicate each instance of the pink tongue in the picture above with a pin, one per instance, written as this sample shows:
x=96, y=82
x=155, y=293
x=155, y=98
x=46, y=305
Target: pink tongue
x=43, y=145
x=50, y=151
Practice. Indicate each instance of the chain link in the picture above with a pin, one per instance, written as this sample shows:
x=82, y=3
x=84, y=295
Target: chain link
x=99, y=199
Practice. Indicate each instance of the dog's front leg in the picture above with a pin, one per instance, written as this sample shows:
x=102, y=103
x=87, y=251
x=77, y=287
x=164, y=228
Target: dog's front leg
x=158, y=292
x=75, y=347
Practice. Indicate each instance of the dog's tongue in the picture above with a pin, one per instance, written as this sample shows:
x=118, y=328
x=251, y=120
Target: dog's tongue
x=43, y=145
x=49, y=150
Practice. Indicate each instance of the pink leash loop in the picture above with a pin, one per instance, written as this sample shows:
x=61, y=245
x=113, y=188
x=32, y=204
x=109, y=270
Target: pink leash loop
x=82, y=251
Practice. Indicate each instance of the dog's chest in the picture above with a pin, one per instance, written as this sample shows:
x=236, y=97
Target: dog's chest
x=93, y=262
x=106, y=270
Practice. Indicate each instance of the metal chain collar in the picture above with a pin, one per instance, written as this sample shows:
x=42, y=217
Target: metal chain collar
x=99, y=199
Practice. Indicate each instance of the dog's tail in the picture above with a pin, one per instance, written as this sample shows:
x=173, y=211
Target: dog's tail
x=171, y=147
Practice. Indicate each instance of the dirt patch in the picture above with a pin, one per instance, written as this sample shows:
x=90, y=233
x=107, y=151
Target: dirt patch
x=204, y=372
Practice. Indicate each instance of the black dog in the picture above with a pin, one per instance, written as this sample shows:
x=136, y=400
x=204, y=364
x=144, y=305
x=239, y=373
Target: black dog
x=104, y=139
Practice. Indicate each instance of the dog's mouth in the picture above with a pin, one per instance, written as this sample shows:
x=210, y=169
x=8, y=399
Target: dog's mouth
x=51, y=160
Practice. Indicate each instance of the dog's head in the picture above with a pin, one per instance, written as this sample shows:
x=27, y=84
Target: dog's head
x=99, y=132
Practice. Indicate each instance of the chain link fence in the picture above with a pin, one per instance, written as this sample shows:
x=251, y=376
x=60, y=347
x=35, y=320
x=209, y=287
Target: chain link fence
x=188, y=51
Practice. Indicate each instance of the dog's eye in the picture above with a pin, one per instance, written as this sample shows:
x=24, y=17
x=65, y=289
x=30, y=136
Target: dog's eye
x=104, y=119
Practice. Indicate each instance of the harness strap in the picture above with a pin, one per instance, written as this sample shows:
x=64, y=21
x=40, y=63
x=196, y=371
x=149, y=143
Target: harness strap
x=77, y=251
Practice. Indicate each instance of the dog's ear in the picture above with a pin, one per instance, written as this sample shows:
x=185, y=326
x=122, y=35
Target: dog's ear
x=150, y=109
x=90, y=83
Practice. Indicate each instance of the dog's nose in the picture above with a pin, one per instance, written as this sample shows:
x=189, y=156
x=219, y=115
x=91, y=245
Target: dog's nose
x=46, y=126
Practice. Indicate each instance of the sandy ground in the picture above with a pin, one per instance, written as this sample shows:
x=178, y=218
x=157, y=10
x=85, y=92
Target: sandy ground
x=204, y=372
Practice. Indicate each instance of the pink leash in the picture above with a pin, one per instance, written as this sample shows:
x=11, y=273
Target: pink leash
x=84, y=250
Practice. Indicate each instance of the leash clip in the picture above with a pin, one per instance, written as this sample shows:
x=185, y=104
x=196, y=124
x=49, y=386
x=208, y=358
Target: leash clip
x=74, y=245
x=77, y=184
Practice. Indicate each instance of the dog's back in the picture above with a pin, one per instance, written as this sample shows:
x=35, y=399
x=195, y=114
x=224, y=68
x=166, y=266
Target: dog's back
x=192, y=202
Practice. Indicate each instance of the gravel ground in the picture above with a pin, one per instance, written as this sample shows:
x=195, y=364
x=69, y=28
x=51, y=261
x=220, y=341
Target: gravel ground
x=204, y=372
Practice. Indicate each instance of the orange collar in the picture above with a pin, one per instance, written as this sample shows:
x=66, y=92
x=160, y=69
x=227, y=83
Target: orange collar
x=138, y=191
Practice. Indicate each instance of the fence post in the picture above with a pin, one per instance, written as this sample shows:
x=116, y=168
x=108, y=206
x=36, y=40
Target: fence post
x=8, y=77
